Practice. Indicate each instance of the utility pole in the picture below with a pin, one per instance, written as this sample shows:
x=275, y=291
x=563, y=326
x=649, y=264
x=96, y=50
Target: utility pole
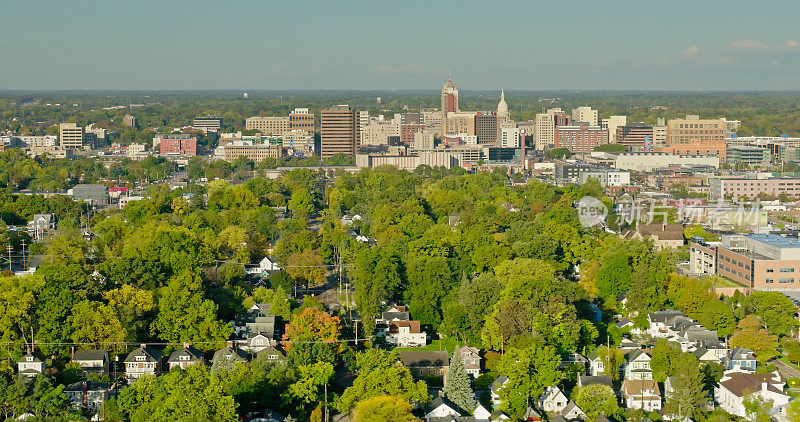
x=325, y=405
x=9, y=248
x=24, y=261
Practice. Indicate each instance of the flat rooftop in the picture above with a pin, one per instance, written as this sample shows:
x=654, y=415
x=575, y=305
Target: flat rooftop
x=776, y=240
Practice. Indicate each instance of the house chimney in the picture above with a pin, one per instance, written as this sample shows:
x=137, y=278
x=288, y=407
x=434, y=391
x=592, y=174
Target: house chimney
x=229, y=343
x=143, y=345
x=764, y=386
x=186, y=345
x=441, y=393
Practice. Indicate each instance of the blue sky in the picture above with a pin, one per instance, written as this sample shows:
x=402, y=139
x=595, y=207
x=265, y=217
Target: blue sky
x=272, y=44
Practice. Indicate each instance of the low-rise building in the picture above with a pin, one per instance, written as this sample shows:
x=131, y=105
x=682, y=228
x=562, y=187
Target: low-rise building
x=663, y=236
x=637, y=365
x=88, y=395
x=30, y=365
x=186, y=356
x=145, y=360
x=642, y=394
x=406, y=334
x=471, y=357
x=552, y=400
x=424, y=363
x=734, y=388
x=91, y=361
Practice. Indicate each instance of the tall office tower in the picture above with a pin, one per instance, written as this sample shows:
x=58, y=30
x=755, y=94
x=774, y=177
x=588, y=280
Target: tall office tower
x=585, y=114
x=410, y=123
x=129, y=121
x=544, y=131
x=502, y=108
x=449, y=98
x=486, y=128
x=612, y=123
x=70, y=135
x=301, y=119
x=270, y=125
x=660, y=133
x=338, y=130
x=580, y=137
x=695, y=136
x=510, y=137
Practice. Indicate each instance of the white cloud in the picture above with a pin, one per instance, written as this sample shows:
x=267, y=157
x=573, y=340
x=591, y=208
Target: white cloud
x=692, y=51
x=748, y=44
x=409, y=68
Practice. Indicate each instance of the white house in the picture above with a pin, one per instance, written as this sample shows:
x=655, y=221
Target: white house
x=494, y=389
x=441, y=407
x=144, y=360
x=264, y=267
x=658, y=322
x=572, y=412
x=706, y=356
x=642, y=394
x=30, y=365
x=472, y=359
x=734, y=387
x=406, y=334
x=552, y=400
x=481, y=414
x=637, y=365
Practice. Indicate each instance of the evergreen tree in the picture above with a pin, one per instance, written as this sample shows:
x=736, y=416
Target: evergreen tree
x=688, y=396
x=457, y=386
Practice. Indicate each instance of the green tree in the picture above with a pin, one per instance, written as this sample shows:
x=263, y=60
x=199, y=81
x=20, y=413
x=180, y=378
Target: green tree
x=776, y=311
x=756, y=407
x=614, y=276
x=664, y=356
x=185, y=316
x=384, y=409
x=688, y=394
x=381, y=373
x=308, y=388
x=96, y=324
x=188, y=395
x=596, y=400
x=751, y=335
x=457, y=385
x=134, y=308
x=529, y=372
x=612, y=359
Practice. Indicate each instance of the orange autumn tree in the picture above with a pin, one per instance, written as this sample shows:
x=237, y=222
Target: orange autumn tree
x=312, y=325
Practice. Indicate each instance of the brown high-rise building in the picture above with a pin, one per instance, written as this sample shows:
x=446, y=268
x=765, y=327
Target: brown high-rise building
x=634, y=135
x=338, y=131
x=486, y=127
x=695, y=136
x=449, y=99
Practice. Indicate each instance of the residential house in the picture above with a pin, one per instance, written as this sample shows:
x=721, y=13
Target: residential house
x=271, y=354
x=186, y=356
x=472, y=359
x=717, y=348
x=498, y=415
x=642, y=394
x=265, y=267
x=597, y=364
x=255, y=342
x=230, y=353
x=145, y=360
x=481, y=414
x=441, y=407
x=669, y=236
x=733, y=388
x=406, y=334
x=669, y=387
x=624, y=323
x=40, y=224
x=531, y=415
x=30, y=365
x=658, y=322
x=494, y=389
x=706, y=356
x=394, y=313
x=572, y=412
x=637, y=365
x=91, y=361
x=574, y=359
x=626, y=345
x=257, y=320
x=552, y=400
x=600, y=379
x=741, y=358
x=424, y=362
x=88, y=395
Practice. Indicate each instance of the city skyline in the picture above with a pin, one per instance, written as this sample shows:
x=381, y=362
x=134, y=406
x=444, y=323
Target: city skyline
x=516, y=46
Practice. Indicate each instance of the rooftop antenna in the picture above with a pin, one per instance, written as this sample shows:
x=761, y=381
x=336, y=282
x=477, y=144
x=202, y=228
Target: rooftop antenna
x=449, y=74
